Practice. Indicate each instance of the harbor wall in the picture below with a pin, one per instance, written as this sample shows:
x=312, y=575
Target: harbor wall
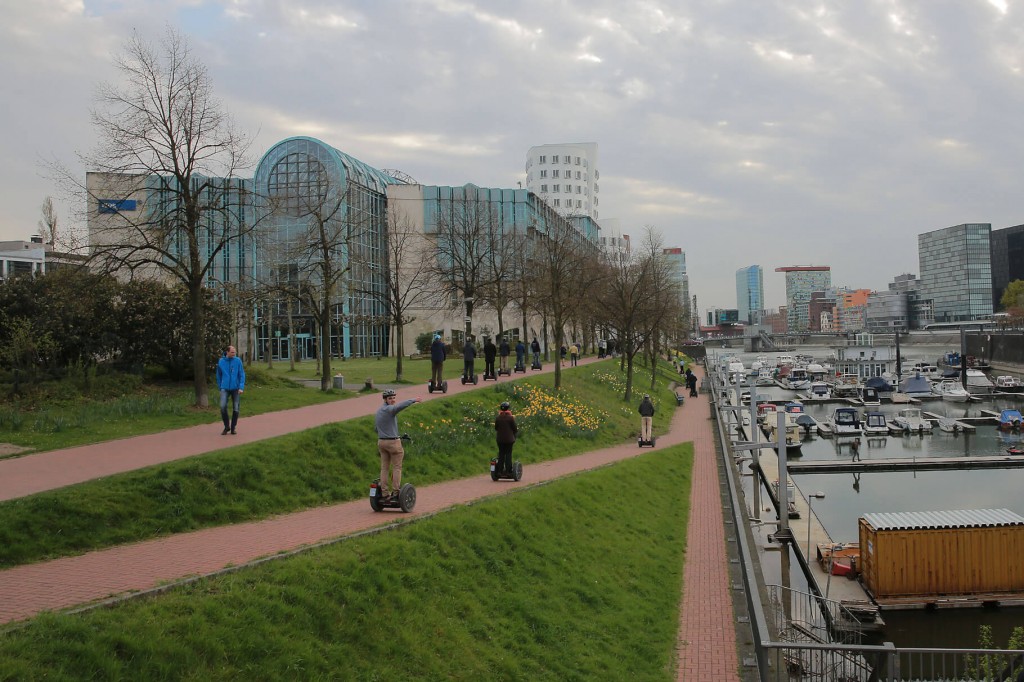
x=997, y=347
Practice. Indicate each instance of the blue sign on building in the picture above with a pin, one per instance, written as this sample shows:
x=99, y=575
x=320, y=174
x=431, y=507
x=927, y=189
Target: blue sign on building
x=116, y=205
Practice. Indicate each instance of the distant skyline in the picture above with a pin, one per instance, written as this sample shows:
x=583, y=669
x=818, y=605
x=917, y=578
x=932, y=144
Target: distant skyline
x=775, y=133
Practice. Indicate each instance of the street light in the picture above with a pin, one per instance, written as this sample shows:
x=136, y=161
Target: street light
x=810, y=516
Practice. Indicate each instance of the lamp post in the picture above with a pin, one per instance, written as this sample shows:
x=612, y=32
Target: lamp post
x=810, y=516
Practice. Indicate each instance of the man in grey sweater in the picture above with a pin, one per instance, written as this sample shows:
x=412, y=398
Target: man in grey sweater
x=389, y=441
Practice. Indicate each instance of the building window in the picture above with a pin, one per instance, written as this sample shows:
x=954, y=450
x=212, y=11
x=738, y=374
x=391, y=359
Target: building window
x=579, y=204
x=577, y=160
x=568, y=159
x=554, y=158
x=554, y=173
x=597, y=188
x=557, y=202
x=543, y=159
x=579, y=189
x=556, y=188
x=578, y=174
x=543, y=188
x=544, y=173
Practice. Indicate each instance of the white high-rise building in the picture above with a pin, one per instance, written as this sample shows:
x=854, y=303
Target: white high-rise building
x=566, y=177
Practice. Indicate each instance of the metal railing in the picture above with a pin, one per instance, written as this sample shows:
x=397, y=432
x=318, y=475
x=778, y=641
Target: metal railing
x=786, y=646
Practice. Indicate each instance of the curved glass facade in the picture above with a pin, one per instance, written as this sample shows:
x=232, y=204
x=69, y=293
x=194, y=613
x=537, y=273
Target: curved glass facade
x=323, y=218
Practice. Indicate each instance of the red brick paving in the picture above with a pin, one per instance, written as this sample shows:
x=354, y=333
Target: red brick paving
x=707, y=639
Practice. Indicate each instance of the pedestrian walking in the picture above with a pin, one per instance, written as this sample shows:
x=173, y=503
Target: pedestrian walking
x=231, y=382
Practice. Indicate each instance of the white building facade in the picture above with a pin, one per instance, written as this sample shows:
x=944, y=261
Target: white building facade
x=566, y=177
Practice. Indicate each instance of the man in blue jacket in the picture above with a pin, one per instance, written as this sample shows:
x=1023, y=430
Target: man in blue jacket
x=231, y=381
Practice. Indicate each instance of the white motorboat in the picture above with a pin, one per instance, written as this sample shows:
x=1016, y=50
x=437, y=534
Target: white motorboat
x=977, y=382
x=820, y=391
x=951, y=391
x=793, y=443
x=844, y=422
x=846, y=386
x=875, y=424
x=949, y=425
x=869, y=396
x=798, y=379
x=765, y=377
x=909, y=420
x=1008, y=384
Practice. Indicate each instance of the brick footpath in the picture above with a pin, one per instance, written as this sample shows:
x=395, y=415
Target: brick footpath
x=707, y=638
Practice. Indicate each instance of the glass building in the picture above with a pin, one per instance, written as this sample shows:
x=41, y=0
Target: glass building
x=1007, y=253
x=750, y=293
x=801, y=282
x=956, y=272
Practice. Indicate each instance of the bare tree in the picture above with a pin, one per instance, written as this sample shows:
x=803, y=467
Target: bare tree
x=465, y=229
x=559, y=257
x=406, y=277
x=48, y=223
x=164, y=136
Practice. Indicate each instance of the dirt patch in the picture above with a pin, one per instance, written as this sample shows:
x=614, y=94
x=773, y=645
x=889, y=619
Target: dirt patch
x=7, y=449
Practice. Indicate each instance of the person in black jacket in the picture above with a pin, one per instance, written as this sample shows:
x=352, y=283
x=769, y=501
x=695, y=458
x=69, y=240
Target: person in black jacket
x=437, y=357
x=505, y=426
x=468, y=356
x=535, y=348
x=646, y=418
x=490, y=352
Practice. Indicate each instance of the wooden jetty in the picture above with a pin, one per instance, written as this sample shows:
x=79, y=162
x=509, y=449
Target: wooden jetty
x=908, y=464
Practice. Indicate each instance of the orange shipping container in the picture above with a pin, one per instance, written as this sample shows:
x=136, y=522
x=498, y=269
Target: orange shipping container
x=944, y=553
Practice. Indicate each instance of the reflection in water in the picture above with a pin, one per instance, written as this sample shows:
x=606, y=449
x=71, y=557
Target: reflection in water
x=856, y=483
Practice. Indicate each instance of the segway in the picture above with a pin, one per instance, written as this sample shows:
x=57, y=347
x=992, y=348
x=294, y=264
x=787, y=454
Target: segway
x=404, y=499
x=516, y=474
x=489, y=377
x=640, y=442
x=520, y=366
x=431, y=387
x=469, y=377
x=535, y=365
x=506, y=371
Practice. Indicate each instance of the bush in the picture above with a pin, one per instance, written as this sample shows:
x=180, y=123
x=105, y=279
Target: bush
x=423, y=342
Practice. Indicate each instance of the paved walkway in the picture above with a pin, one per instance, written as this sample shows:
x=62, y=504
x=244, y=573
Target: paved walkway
x=707, y=638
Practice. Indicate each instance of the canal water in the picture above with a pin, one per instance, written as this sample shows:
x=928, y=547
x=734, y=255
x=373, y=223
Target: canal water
x=849, y=496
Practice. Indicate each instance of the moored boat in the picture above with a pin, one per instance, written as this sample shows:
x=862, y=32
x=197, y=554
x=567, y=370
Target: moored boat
x=845, y=422
x=910, y=420
x=875, y=424
x=1008, y=384
x=1009, y=420
x=951, y=391
x=916, y=386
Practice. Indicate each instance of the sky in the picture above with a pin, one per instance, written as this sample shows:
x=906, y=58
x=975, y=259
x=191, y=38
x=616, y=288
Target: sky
x=747, y=132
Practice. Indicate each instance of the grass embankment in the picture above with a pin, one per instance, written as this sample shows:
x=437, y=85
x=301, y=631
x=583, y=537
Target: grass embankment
x=453, y=438
x=575, y=580
x=120, y=407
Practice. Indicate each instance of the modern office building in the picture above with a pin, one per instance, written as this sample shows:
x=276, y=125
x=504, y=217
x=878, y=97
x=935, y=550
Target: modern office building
x=677, y=262
x=272, y=227
x=887, y=311
x=21, y=258
x=750, y=293
x=850, y=309
x=566, y=176
x=1007, y=254
x=801, y=281
x=956, y=272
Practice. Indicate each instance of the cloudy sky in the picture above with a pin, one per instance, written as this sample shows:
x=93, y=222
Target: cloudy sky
x=769, y=132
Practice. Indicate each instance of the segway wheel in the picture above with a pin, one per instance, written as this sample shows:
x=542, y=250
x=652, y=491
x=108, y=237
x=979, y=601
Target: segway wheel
x=494, y=470
x=430, y=387
x=475, y=378
x=517, y=471
x=444, y=387
x=653, y=440
x=375, y=501
x=407, y=498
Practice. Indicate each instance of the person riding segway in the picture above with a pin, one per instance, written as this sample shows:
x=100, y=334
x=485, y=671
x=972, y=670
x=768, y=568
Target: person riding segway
x=520, y=356
x=505, y=428
x=490, y=352
x=468, y=357
x=535, y=349
x=503, y=353
x=388, y=491
x=437, y=358
x=646, y=422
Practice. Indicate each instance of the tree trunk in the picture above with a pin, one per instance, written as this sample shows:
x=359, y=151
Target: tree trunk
x=399, y=350
x=195, y=295
x=291, y=338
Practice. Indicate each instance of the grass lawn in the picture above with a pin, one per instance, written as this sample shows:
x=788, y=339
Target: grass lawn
x=578, y=579
x=357, y=370
x=453, y=438
x=62, y=422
